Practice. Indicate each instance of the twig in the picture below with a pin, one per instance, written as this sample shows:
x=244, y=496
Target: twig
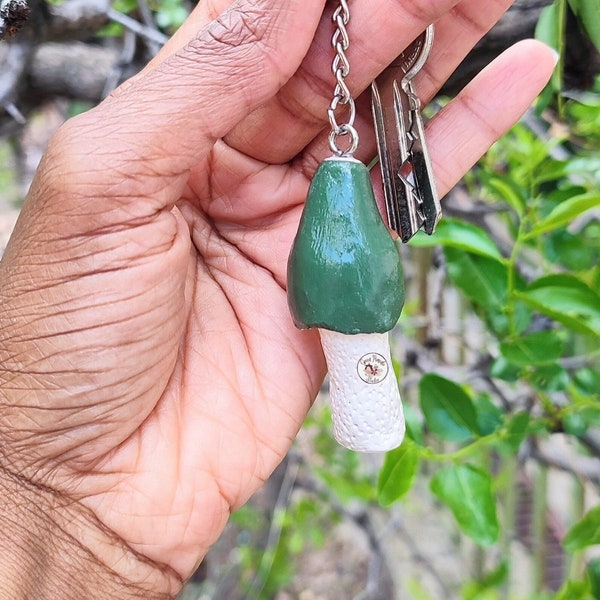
x=378, y=561
x=507, y=404
x=536, y=126
x=149, y=22
x=582, y=467
x=15, y=113
x=14, y=66
x=438, y=286
x=76, y=19
x=419, y=557
x=378, y=564
x=579, y=362
x=591, y=440
x=281, y=504
x=125, y=59
x=138, y=28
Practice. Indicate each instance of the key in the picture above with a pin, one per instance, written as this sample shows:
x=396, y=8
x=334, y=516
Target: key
x=392, y=143
x=412, y=202
x=426, y=199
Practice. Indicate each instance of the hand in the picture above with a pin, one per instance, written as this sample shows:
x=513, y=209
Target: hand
x=151, y=378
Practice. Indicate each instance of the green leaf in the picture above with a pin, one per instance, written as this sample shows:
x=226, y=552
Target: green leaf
x=448, y=410
x=588, y=12
x=566, y=211
x=573, y=590
x=414, y=424
x=574, y=424
x=502, y=369
x=173, y=17
x=548, y=26
x=417, y=591
x=398, y=473
x=481, y=279
x=516, y=431
x=549, y=29
x=348, y=489
x=575, y=252
x=584, y=533
x=458, y=234
x=550, y=378
x=540, y=348
x=585, y=168
x=566, y=299
x=551, y=170
x=467, y=491
x=489, y=416
x=473, y=590
x=508, y=190
x=592, y=572
x=588, y=381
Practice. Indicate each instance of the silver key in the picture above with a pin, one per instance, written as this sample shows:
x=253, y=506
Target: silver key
x=412, y=201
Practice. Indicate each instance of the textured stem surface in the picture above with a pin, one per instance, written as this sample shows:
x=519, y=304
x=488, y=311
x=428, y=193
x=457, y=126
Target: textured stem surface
x=365, y=400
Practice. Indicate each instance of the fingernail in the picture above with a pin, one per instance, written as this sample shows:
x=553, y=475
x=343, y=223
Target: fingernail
x=556, y=55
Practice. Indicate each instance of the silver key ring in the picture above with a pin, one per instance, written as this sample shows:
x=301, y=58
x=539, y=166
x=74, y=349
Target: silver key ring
x=423, y=44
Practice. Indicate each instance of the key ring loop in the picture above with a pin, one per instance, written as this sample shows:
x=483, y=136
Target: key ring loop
x=424, y=51
x=344, y=131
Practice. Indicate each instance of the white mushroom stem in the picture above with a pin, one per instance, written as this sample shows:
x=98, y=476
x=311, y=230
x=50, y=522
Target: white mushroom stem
x=365, y=400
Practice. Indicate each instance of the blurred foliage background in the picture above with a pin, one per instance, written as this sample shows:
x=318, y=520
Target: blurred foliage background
x=494, y=493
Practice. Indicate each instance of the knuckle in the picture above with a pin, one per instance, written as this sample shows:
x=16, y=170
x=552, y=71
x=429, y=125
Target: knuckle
x=239, y=28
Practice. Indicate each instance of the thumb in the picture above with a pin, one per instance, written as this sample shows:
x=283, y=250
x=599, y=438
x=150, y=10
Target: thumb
x=143, y=140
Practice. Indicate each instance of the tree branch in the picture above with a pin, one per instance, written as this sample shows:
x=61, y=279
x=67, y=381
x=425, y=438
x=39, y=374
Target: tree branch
x=76, y=19
x=148, y=33
x=582, y=467
x=18, y=55
x=75, y=70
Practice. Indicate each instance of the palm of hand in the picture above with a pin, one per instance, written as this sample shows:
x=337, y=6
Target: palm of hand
x=240, y=376
x=188, y=366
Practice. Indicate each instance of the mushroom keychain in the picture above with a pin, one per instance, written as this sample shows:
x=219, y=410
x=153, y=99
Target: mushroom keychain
x=345, y=275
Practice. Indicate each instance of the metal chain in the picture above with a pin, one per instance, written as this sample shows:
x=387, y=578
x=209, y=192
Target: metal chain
x=341, y=93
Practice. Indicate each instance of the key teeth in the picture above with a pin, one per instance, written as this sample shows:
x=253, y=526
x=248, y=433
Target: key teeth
x=417, y=216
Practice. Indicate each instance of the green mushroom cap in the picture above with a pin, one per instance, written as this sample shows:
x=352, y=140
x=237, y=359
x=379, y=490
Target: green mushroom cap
x=344, y=271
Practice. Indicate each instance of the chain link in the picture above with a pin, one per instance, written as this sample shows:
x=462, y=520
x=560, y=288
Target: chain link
x=341, y=93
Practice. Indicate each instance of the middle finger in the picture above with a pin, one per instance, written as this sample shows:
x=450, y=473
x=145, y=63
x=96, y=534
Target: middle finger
x=379, y=30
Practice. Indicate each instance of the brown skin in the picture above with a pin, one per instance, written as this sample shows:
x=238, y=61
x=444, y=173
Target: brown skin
x=151, y=378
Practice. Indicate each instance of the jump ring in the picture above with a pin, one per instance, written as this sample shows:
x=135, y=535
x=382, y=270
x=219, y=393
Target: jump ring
x=343, y=131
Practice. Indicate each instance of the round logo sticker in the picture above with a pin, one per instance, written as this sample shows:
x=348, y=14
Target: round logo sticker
x=373, y=368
